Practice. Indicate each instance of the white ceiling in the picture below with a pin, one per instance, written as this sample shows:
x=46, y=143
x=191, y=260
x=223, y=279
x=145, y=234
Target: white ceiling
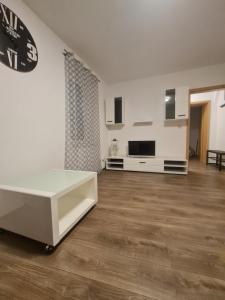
x=130, y=39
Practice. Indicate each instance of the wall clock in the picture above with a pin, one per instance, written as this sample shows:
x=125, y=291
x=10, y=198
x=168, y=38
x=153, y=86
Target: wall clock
x=17, y=47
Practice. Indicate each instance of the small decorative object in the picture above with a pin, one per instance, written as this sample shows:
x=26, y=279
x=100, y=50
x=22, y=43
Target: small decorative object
x=114, y=147
x=17, y=47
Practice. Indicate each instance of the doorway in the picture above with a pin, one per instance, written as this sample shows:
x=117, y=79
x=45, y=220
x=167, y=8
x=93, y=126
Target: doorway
x=209, y=106
x=199, y=129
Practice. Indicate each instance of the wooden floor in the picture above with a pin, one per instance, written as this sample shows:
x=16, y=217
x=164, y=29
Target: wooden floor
x=151, y=236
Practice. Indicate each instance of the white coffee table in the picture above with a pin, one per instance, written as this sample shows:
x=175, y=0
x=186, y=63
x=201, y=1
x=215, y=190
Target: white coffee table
x=45, y=207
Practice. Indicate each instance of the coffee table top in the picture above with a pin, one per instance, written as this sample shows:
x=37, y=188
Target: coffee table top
x=49, y=183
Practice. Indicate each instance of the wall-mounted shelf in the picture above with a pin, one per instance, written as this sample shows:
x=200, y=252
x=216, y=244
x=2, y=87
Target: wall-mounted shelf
x=175, y=122
x=115, y=124
x=143, y=123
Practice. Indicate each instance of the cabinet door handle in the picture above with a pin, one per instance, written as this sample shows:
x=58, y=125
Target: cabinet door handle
x=142, y=162
x=109, y=121
x=182, y=115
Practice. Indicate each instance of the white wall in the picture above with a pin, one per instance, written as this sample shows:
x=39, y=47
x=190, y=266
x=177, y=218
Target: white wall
x=32, y=105
x=145, y=100
x=220, y=134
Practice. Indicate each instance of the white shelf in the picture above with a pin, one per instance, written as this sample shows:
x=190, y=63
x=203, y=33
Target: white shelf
x=116, y=169
x=116, y=157
x=114, y=163
x=176, y=120
x=178, y=166
x=143, y=123
x=116, y=124
x=71, y=210
x=175, y=172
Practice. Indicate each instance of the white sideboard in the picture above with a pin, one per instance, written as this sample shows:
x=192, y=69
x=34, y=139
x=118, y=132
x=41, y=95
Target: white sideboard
x=152, y=164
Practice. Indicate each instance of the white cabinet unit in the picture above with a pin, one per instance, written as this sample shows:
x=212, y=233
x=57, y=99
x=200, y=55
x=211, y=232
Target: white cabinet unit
x=114, y=109
x=109, y=111
x=115, y=163
x=177, y=103
x=151, y=164
x=143, y=164
x=181, y=103
x=47, y=206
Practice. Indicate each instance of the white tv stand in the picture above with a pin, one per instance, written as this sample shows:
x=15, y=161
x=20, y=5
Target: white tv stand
x=169, y=165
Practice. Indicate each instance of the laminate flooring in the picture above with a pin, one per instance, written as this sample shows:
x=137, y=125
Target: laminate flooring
x=151, y=236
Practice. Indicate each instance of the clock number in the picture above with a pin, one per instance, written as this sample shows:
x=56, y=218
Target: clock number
x=32, y=53
x=12, y=20
x=17, y=48
x=12, y=56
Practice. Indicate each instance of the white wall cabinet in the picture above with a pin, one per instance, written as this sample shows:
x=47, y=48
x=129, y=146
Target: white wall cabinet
x=114, y=109
x=181, y=103
x=109, y=111
x=176, y=103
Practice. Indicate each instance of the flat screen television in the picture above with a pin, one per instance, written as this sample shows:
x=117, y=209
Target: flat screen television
x=141, y=148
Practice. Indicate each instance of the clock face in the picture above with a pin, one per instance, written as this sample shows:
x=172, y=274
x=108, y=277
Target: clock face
x=17, y=47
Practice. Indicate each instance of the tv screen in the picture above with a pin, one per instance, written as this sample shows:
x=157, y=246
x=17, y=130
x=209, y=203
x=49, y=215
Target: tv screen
x=141, y=148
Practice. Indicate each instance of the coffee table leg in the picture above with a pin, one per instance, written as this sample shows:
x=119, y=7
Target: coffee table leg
x=49, y=249
x=207, y=157
x=216, y=159
x=220, y=162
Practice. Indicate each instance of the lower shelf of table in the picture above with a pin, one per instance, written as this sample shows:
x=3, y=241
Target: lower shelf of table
x=74, y=205
x=71, y=210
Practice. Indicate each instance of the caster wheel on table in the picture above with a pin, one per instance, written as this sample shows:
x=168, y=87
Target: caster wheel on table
x=49, y=249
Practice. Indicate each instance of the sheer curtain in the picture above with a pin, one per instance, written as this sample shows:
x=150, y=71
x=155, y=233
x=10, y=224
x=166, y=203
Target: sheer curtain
x=82, y=149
